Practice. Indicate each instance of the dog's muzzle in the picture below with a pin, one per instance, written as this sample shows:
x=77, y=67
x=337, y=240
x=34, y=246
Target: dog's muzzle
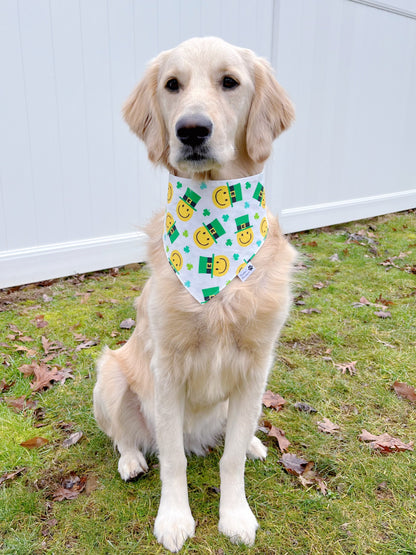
x=193, y=132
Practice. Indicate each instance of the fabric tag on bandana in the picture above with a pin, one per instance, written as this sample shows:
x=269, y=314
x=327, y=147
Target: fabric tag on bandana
x=213, y=229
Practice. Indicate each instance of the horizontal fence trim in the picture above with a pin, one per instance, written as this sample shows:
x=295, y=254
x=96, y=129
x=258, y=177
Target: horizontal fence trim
x=319, y=215
x=28, y=265
x=386, y=8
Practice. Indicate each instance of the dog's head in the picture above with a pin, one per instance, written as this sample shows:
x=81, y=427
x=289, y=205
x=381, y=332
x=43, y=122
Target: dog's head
x=205, y=104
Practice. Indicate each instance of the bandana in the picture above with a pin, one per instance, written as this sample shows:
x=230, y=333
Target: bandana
x=213, y=229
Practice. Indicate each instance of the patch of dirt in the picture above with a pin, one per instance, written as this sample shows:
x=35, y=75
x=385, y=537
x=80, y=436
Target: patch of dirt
x=311, y=346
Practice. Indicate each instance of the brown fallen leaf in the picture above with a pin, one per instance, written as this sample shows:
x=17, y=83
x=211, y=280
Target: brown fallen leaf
x=310, y=478
x=311, y=311
x=383, y=314
x=303, y=470
x=127, y=324
x=72, y=439
x=27, y=369
x=20, y=404
x=34, y=442
x=44, y=375
x=319, y=285
x=278, y=434
x=295, y=465
x=273, y=400
x=87, y=344
x=406, y=391
x=327, y=426
x=49, y=346
x=71, y=487
x=385, y=442
x=4, y=386
x=40, y=321
x=304, y=407
x=347, y=367
x=11, y=475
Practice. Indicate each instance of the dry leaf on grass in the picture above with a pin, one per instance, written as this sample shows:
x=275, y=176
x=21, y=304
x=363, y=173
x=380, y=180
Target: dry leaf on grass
x=71, y=487
x=87, y=344
x=303, y=470
x=127, y=324
x=11, y=475
x=40, y=321
x=385, y=442
x=304, y=407
x=311, y=311
x=34, y=442
x=347, y=367
x=278, y=434
x=406, y=391
x=4, y=386
x=72, y=439
x=327, y=426
x=44, y=375
x=295, y=465
x=383, y=314
x=20, y=404
x=273, y=400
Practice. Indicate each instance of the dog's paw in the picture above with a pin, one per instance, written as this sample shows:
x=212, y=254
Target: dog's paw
x=131, y=464
x=173, y=527
x=256, y=449
x=238, y=524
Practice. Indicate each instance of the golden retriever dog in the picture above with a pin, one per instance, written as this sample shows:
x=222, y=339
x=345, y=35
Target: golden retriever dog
x=194, y=373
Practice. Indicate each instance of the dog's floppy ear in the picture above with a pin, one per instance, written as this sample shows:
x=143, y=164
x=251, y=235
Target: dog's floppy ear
x=271, y=112
x=141, y=111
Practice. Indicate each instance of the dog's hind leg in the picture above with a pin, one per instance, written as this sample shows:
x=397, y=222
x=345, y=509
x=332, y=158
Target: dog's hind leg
x=118, y=412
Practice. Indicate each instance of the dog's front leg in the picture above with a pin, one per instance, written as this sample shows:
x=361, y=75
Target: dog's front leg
x=174, y=522
x=236, y=518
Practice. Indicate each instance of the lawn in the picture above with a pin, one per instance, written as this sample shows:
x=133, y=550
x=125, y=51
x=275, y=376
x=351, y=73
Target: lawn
x=350, y=336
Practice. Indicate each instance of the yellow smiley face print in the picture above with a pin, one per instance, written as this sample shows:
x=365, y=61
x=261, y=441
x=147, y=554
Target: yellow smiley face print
x=184, y=211
x=245, y=237
x=176, y=260
x=264, y=227
x=169, y=221
x=221, y=266
x=202, y=238
x=240, y=268
x=221, y=197
x=170, y=192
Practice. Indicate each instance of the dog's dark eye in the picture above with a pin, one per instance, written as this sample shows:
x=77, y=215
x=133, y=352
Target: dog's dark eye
x=172, y=85
x=229, y=83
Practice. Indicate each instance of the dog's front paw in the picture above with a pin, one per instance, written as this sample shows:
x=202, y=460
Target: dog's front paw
x=239, y=524
x=173, y=527
x=131, y=465
x=256, y=449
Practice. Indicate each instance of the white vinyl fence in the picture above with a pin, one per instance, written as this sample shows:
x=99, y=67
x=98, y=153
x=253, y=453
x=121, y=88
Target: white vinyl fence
x=76, y=185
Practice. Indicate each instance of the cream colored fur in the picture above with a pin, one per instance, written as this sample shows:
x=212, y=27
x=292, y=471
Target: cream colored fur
x=192, y=373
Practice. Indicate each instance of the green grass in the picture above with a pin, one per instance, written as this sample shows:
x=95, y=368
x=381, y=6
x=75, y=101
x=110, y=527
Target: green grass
x=371, y=502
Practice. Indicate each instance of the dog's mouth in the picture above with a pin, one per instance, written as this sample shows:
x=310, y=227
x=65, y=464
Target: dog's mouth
x=198, y=158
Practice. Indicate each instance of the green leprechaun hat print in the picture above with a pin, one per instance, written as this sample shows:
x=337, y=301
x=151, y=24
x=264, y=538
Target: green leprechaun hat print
x=186, y=206
x=206, y=235
x=209, y=293
x=244, y=231
x=214, y=265
x=259, y=195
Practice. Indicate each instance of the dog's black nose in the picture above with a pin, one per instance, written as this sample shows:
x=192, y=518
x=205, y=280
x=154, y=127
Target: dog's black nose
x=193, y=130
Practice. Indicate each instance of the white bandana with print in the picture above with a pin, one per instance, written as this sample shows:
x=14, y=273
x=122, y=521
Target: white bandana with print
x=213, y=229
